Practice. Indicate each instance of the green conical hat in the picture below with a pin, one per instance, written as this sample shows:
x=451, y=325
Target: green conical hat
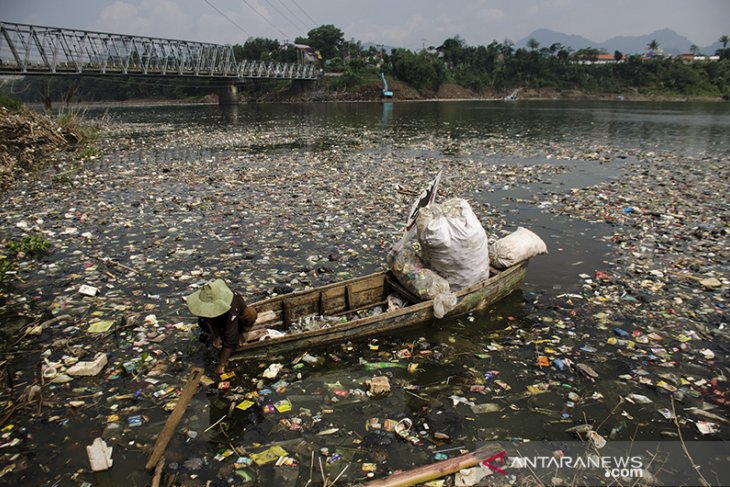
x=212, y=300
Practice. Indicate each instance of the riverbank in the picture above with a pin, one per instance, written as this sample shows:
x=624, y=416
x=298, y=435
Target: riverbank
x=29, y=141
x=403, y=93
x=453, y=92
x=287, y=200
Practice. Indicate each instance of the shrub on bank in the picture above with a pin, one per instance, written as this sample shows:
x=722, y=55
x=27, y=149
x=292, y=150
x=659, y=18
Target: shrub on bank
x=28, y=138
x=10, y=102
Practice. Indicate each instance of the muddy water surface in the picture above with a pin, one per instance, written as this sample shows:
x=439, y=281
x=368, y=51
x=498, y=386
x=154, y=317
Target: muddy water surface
x=276, y=197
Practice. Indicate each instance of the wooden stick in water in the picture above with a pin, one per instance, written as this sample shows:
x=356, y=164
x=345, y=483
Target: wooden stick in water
x=169, y=429
x=436, y=470
x=158, y=472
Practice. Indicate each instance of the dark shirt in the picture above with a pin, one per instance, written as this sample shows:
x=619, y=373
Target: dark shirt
x=230, y=325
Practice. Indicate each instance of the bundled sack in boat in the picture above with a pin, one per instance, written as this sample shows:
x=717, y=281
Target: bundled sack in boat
x=409, y=269
x=518, y=246
x=454, y=242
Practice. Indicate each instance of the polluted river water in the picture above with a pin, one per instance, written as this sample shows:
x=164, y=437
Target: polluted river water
x=620, y=329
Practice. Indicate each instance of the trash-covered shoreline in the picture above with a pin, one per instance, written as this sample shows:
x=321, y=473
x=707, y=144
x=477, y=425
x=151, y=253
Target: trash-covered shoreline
x=635, y=344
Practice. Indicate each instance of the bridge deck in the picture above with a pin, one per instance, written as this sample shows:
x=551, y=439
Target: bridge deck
x=31, y=49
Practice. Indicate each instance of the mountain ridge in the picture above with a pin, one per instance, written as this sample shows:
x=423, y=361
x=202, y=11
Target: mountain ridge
x=668, y=40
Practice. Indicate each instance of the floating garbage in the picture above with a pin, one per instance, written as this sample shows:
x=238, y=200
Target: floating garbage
x=637, y=315
x=272, y=371
x=270, y=455
x=88, y=368
x=487, y=407
x=100, y=455
x=87, y=290
x=378, y=385
x=638, y=399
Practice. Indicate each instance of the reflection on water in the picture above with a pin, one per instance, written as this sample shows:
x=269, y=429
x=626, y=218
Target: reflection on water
x=230, y=113
x=689, y=128
x=387, y=112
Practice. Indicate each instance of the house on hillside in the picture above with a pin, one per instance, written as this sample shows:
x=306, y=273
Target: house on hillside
x=600, y=58
x=305, y=54
x=605, y=59
x=688, y=57
x=651, y=54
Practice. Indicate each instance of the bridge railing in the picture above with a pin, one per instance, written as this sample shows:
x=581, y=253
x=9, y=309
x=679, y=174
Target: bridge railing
x=30, y=49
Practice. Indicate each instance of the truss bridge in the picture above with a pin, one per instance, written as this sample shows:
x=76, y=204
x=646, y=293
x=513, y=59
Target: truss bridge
x=36, y=50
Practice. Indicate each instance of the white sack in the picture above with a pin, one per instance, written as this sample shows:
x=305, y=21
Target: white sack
x=454, y=242
x=520, y=245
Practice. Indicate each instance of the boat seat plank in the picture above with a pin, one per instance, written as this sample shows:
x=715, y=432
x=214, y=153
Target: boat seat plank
x=265, y=317
x=349, y=298
x=405, y=293
x=286, y=308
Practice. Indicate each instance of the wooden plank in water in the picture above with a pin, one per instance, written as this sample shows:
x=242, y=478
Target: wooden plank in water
x=494, y=454
x=172, y=421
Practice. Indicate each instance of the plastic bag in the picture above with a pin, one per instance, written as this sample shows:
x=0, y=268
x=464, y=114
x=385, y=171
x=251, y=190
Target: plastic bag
x=409, y=269
x=443, y=303
x=411, y=272
x=454, y=242
x=516, y=247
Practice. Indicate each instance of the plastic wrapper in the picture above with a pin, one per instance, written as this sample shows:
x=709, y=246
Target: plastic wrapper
x=443, y=303
x=454, y=242
x=518, y=246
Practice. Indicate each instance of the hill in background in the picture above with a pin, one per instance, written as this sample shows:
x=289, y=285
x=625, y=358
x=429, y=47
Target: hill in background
x=668, y=40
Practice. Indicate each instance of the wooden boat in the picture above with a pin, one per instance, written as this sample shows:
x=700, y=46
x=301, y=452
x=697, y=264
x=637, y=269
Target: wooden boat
x=345, y=300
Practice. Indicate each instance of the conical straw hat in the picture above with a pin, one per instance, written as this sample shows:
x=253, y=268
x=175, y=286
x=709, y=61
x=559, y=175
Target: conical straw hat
x=212, y=300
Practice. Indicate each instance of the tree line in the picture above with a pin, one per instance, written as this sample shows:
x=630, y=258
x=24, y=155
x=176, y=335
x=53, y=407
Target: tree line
x=495, y=68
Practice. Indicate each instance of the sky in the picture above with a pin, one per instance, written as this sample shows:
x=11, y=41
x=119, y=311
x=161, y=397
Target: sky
x=412, y=24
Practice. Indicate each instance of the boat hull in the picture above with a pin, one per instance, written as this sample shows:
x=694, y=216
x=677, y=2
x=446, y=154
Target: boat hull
x=372, y=288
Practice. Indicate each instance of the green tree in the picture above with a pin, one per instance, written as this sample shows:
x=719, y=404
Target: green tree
x=453, y=51
x=533, y=44
x=507, y=49
x=587, y=54
x=653, y=45
x=351, y=50
x=618, y=56
x=555, y=48
x=564, y=54
x=327, y=39
x=724, y=53
x=422, y=71
x=257, y=49
x=694, y=49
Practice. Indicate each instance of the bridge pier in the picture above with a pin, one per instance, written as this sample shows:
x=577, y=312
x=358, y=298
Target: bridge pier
x=228, y=95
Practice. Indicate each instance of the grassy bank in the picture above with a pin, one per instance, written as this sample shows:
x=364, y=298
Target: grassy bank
x=30, y=141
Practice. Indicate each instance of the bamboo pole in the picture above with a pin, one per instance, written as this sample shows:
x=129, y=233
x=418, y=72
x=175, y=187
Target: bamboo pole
x=157, y=477
x=169, y=429
x=436, y=470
